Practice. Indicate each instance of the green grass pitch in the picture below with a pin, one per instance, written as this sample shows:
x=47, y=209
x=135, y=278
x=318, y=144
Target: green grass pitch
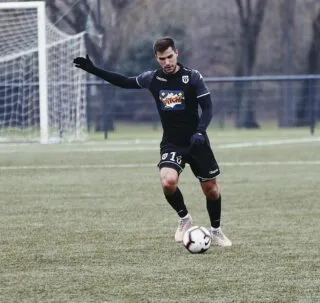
x=87, y=222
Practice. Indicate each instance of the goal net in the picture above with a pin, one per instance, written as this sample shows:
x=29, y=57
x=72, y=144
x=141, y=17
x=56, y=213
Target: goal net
x=42, y=96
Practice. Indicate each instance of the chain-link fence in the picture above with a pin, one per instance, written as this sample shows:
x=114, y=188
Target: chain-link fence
x=247, y=102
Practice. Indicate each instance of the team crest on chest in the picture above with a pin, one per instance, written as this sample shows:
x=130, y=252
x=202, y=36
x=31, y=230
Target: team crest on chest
x=185, y=79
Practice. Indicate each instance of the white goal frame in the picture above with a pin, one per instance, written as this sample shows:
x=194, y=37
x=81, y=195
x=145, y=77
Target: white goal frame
x=42, y=57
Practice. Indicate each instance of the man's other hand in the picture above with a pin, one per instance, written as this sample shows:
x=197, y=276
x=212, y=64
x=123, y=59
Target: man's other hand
x=84, y=63
x=197, y=139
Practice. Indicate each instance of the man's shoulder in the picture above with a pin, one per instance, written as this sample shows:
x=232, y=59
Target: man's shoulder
x=156, y=74
x=192, y=71
x=148, y=73
x=145, y=78
x=195, y=75
x=186, y=68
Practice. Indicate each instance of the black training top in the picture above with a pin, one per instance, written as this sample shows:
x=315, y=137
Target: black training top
x=177, y=97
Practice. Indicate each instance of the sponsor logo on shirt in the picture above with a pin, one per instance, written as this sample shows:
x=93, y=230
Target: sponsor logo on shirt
x=161, y=79
x=171, y=100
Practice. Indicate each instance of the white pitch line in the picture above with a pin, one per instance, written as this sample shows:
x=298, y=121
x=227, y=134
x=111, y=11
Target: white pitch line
x=269, y=142
x=148, y=165
x=140, y=146
x=260, y=163
x=84, y=150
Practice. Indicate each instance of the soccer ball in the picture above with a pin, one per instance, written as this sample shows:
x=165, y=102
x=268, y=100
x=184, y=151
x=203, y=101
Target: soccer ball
x=197, y=239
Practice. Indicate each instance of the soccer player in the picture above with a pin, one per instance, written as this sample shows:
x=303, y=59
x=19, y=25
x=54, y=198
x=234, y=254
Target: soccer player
x=178, y=92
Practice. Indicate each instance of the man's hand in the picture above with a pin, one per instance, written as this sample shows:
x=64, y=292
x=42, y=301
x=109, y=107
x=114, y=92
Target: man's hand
x=84, y=63
x=197, y=139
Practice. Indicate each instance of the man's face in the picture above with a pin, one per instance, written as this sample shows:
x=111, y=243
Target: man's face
x=167, y=60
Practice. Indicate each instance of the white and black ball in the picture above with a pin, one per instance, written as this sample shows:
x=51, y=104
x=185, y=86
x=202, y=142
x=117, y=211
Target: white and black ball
x=197, y=239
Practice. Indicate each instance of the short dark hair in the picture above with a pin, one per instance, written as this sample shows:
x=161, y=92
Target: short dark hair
x=163, y=44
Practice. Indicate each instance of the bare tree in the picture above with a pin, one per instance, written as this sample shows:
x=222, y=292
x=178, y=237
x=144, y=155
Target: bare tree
x=306, y=109
x=251, y=18
x=104, y=32
x=104, y=40
x=287, y=23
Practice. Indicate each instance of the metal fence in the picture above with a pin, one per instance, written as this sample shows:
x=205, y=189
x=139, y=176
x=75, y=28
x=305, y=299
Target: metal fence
x=246, y=102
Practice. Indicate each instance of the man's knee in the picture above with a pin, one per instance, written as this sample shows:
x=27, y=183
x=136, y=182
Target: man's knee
x=169, y=180
x=211, y=189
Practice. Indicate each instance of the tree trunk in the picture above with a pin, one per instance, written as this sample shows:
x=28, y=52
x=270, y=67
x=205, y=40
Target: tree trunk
x=306, y=105
x=251, y=21
x=286, y=106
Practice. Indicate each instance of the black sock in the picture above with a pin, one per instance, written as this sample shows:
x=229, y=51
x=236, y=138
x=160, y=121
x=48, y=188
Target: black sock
x=214, y=211
x=177, y=203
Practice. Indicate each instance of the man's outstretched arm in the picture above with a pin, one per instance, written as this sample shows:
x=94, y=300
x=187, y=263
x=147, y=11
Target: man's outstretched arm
x=113, y=78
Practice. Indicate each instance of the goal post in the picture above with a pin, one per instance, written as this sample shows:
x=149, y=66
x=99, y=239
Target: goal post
x=43, y=80
x=42, y=96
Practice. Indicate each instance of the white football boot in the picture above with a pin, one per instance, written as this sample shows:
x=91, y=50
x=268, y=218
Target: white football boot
x=219, y=238
x=183, y=225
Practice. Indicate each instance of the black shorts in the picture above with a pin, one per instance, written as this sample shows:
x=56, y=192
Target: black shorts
x=200, y=158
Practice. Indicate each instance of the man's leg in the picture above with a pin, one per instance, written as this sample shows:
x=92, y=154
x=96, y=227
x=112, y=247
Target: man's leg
x=169, y=178
x=212, y=192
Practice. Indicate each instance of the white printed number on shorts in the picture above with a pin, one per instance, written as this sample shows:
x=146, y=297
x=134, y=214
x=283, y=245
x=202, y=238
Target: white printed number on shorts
x=172, y=157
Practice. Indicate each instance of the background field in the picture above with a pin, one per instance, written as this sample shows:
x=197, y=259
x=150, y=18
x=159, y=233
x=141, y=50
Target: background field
x=87, y=222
